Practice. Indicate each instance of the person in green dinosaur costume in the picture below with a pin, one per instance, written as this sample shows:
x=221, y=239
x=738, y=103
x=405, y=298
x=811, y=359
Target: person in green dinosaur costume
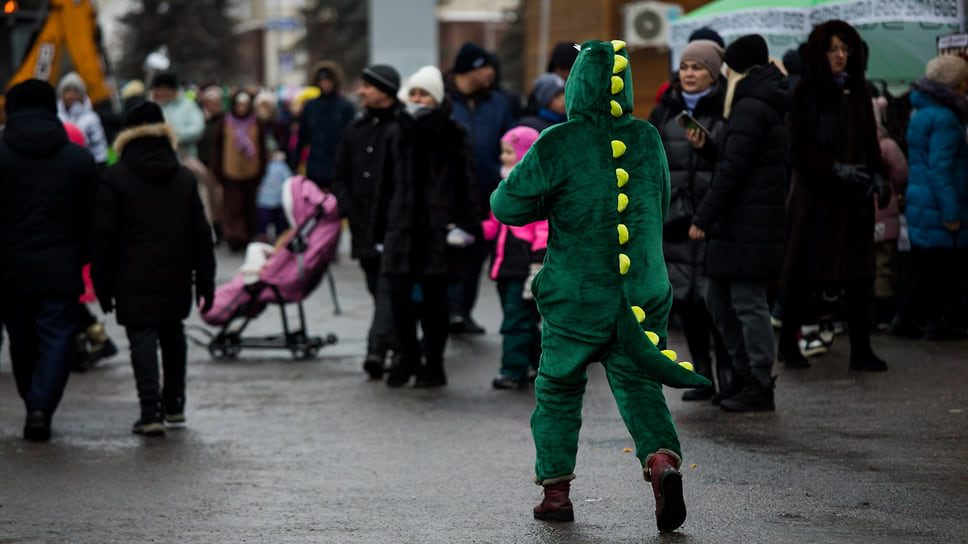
x=602, y=182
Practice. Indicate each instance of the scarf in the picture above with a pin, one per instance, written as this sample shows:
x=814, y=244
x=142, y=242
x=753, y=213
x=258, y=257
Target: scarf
x=241, y=130
x=692, y=99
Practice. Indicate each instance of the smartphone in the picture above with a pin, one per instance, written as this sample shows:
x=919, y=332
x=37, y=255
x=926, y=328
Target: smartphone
x=688, y=121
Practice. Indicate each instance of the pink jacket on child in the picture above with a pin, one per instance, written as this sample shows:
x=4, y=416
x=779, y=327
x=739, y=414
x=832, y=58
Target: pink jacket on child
x=516, y=248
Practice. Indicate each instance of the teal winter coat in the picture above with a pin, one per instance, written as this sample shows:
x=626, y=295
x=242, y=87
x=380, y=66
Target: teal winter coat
x=937, y=191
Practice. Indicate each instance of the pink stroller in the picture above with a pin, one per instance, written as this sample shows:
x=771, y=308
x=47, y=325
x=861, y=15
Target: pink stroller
x=289, y=275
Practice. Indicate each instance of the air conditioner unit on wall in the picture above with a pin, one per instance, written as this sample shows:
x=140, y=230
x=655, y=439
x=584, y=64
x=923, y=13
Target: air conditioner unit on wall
x=646, y=24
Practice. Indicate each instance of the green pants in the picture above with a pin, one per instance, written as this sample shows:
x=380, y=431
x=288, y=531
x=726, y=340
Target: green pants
x=521, y=339
x=556, y=420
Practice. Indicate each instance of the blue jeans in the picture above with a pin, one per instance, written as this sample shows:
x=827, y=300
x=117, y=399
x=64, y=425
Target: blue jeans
x=41, y=328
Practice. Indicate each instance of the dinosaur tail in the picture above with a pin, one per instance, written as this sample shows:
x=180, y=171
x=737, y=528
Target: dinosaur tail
x=659, y=365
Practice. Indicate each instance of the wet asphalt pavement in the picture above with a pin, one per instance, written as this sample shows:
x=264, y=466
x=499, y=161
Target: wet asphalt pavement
x=279, y=450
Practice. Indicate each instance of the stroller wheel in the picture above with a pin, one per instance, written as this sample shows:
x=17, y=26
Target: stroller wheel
x=217, y=351
x=331, y=338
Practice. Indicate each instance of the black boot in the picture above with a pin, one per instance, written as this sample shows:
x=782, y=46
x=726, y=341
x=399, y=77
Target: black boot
x=731, y=387
x=37, y=426
x=431, y=376
x=864, y=360
x=755, y=397
x=788, y=350
x=152, y=422
x=700, y=393
x=400, y=372
x=175, y=410
x=374, y=366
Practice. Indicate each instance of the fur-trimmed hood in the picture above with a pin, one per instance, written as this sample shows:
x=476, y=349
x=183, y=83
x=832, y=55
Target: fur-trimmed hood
x=930, y=91
x=339, y=77
x=817, y=75
x=149, y=151
x=157, y=130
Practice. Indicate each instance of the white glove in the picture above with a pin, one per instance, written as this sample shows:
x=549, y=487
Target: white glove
x=535, y=268
x=458, y=237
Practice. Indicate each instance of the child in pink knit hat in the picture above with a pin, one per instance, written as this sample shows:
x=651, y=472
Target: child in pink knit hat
x=518, y=257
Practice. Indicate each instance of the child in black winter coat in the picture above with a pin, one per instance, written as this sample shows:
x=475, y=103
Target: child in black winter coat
x=150, y=236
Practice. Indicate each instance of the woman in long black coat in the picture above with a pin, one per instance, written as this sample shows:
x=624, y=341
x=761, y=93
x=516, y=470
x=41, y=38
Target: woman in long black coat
x=427, y=207
x=701, y=90
x=830, y=212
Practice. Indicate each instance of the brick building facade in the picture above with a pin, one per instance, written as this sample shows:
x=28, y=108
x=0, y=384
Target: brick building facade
x=582, y=20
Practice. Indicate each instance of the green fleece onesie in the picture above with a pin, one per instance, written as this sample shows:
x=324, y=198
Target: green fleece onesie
x=602, y=182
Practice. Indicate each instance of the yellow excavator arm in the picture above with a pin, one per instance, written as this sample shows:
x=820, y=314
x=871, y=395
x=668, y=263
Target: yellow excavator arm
x=71, y=28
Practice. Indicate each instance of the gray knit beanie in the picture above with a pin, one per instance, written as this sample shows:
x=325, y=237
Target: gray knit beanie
x=707, y=54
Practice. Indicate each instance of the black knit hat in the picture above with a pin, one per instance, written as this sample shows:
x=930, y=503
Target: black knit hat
x=563, y=56
x=32, y=93
x=147, y=113
x=746, y=52
x=382, y=77
x=471, y=57
x=706, y=33
x=165, y=79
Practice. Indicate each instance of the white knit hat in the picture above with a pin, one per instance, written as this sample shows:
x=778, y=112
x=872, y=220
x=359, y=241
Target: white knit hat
x=429, y=79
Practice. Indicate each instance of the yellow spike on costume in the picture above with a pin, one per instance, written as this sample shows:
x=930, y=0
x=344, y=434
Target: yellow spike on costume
x=687, y=365
x=623, y=264
x=621, y=63
x=623, y=201
x=653, y=337
x=639, y=315
x=618, y=45
x=623, y=234
x=616, y=109
x=617, y=85
x=670, y=354
x=618, y=148
x=622, y=176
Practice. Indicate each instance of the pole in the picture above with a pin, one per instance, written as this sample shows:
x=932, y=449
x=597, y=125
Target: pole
x=545, y=23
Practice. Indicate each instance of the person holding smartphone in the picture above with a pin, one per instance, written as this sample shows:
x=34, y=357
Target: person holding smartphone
x=696, y=96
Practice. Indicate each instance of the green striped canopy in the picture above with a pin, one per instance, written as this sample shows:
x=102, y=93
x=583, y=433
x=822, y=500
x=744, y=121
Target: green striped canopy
x=902, y=34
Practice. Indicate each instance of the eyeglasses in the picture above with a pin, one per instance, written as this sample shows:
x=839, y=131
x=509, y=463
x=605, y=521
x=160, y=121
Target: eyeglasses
x=836, y=49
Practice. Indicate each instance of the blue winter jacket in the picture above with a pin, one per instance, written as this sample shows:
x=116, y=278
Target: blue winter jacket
x=937, y=191
x=321, y=126
x=486, y=116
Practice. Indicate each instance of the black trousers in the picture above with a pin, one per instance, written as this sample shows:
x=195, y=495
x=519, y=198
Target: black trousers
x=698, y=328
x=145, y=341
x=463, y=294
x=935, y=281
x=433, y=315
x=380, y=339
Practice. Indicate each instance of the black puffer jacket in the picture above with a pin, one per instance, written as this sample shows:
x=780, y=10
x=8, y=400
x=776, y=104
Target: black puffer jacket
x=428, y=185
x=150, y=232
x=47, y=188
x=691, y=172
x=359, y=170
x=743, y=212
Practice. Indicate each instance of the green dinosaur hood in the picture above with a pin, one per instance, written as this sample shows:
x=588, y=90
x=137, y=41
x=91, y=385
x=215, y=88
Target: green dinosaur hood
x=599, y=88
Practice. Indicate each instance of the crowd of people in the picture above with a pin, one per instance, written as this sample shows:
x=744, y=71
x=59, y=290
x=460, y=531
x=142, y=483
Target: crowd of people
x=791, y=205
